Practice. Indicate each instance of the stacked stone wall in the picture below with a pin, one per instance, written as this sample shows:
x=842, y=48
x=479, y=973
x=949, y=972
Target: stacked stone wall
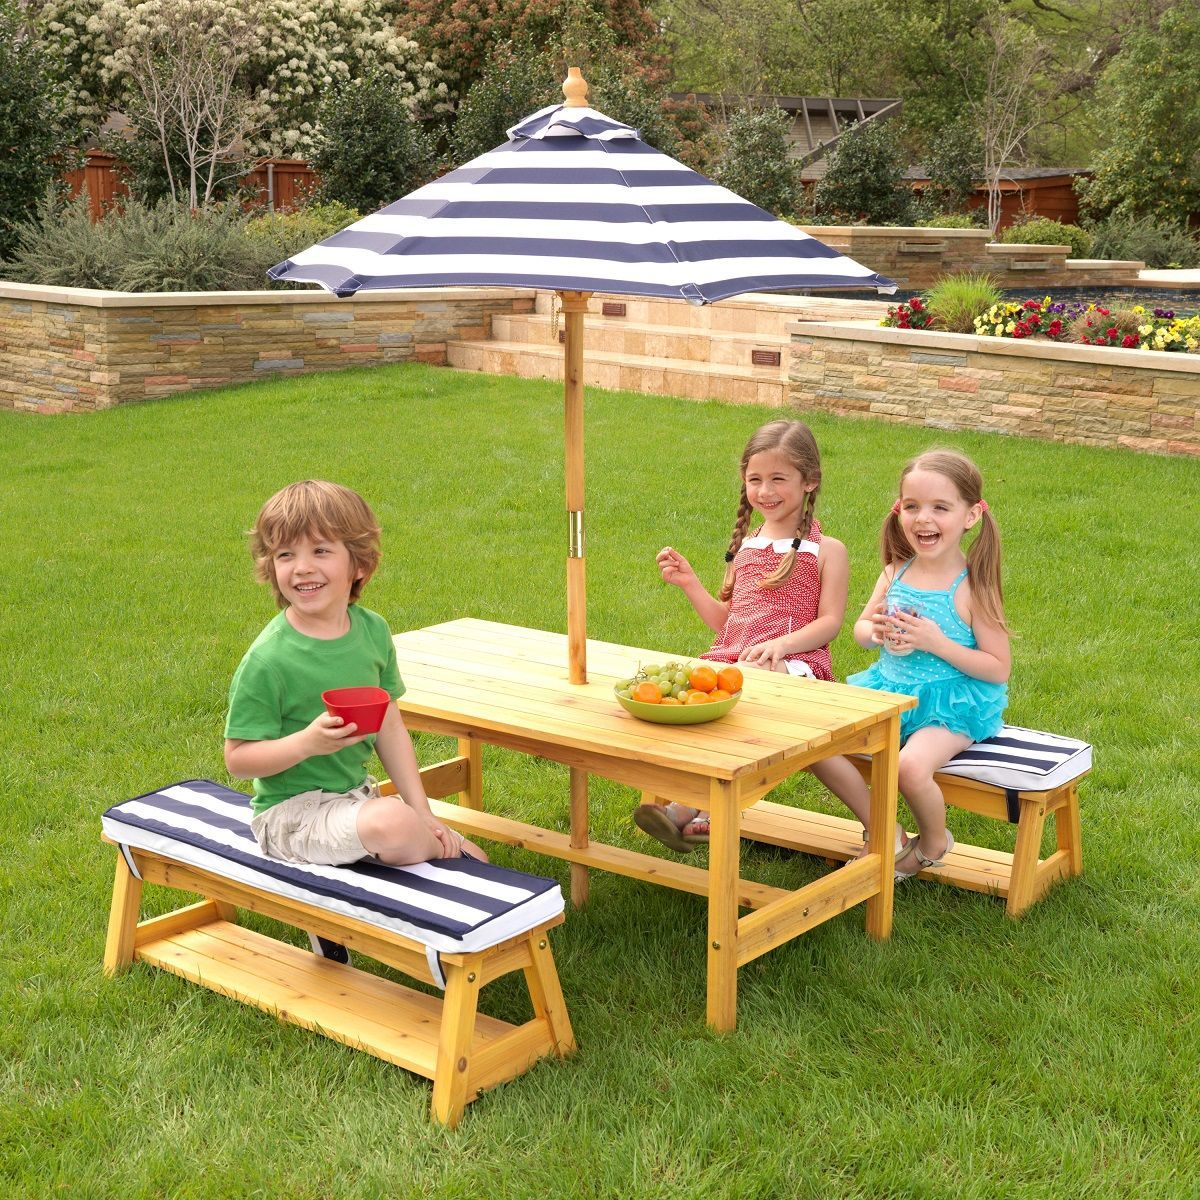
x=1097, y=396
x=72, y=350
x=916, y=257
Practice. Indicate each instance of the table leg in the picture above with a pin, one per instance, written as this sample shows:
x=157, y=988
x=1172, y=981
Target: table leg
x=472, y=750
x=723, y=869
x=884, y=769
x=579, y=834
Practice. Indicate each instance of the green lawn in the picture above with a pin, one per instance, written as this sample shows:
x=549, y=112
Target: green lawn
x=969, y=1056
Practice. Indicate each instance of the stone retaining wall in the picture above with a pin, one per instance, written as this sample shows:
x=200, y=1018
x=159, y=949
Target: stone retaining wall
x=1094, y=395
x=73, y=349
x=915, y=257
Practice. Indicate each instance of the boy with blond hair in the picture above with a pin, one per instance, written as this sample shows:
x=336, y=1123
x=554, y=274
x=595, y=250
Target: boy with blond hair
x=317, y=545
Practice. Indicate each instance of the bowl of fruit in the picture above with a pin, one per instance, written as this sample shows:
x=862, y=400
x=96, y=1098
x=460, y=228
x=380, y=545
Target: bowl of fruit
x=679, y=693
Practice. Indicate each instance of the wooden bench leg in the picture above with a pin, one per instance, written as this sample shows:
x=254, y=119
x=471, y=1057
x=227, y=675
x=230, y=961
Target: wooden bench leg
x=545, y=991
x=472, y=751
x=454, y=1044
x=122, y=919
x=1022, y=886
x=1068, y=832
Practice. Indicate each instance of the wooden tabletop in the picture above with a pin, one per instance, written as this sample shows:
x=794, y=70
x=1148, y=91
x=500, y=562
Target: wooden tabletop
x=505, y=683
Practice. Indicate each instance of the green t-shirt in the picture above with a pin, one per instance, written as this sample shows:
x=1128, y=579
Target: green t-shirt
x=277, y=688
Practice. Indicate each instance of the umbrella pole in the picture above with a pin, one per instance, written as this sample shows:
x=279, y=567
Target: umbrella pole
x=574, y=305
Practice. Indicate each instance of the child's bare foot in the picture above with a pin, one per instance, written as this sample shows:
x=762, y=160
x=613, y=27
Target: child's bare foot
x=677, y=826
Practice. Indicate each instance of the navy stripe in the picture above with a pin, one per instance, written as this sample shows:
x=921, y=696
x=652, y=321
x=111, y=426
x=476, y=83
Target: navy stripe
x=1001, y=758
x=1036, y=744
x=617, y=252
x=588, y=211
x=505, y=174
x=344, y=283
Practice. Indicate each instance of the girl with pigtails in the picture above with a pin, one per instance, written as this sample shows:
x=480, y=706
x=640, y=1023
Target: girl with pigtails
x=937, y=617
x=781, y=602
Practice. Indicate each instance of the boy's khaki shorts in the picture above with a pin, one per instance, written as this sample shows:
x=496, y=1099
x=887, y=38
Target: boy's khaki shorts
x=315, y=827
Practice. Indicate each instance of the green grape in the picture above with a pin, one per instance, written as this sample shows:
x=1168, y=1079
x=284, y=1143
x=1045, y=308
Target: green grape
x=651, y=671
x=624, y=693
x=678, y=690
x=681, y=677
x=624, y=685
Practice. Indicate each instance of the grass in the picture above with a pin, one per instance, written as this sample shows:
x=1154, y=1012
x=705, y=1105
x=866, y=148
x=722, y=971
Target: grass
x=969, y=1056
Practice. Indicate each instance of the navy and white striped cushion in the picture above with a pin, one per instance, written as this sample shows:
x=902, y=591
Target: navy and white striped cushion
x=450, y=905
x=1023, y=760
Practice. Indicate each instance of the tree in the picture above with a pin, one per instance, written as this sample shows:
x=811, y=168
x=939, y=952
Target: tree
x=182, y=59
x=371, y=149
x=32, y=135
x=865, y=177
x=754, y=161
x=1003, y=102
x=1150, y=163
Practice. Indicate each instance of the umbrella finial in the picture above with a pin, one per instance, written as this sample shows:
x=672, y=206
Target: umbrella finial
x=575, y=89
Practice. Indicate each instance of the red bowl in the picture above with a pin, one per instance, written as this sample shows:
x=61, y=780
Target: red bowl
x=365, y=706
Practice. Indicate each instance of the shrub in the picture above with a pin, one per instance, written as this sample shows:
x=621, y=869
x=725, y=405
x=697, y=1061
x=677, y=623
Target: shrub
x=32, y=135
x=1098, y=326
x=1045, y=231
x=371, y=150
x=138, y=248
x=1155, y=243
x=754, y=160
x=975, y=219
x=277, y=236
x=956, y=300
x=865, y=179
x=954, y=162
x=909, y=314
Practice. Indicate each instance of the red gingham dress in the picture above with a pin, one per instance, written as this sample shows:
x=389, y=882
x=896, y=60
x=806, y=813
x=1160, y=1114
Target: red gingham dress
x=757, y=614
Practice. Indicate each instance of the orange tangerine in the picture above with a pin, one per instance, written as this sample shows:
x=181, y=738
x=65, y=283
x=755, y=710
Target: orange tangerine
x=703, y=679
x=730, y=679
x=647, y=693
x=698, y=698
x=718, y=694
x=671, y=700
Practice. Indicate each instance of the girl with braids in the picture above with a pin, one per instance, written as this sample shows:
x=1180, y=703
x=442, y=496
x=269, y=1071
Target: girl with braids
x=937, y=616
x=782, y=601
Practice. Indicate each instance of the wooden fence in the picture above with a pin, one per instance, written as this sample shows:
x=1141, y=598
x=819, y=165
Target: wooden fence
x=274, y=183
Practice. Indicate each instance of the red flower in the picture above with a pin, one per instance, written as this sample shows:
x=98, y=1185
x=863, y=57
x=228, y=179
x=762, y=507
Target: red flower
x=915, y=304
x=1055, y=328
x=1129, y=341
x=1111, y=333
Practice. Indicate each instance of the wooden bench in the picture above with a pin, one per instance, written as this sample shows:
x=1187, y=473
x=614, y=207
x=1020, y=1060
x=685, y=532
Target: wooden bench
x=1021, y=776
x=457, y=924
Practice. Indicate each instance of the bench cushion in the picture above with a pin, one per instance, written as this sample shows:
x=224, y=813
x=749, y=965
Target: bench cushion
x=448, y=905
x=1023, y=760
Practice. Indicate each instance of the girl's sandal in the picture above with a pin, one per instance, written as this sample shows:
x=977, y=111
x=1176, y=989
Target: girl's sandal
x=656, y=821
x=696, y=838
x=923, y=861
x=902, y=843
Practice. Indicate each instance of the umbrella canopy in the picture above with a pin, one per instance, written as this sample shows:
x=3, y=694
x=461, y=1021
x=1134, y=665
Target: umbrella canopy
x=576, y=202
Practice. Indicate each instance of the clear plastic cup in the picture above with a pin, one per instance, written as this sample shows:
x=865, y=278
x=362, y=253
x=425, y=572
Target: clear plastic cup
x=895, y=608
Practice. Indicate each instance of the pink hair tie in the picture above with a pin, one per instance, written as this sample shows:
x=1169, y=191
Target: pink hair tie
x=983, y=505
x=896, y=507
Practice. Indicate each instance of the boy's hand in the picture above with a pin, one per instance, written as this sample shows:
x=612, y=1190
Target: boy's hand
x=450, y=841
x=674, y=568
x=328, y=734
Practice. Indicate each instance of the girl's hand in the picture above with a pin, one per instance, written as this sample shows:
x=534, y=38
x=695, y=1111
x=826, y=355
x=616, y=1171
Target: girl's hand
x=880, y=623
x=919, y=633
x=328, y=734
x=767, y=655
x=674, y=568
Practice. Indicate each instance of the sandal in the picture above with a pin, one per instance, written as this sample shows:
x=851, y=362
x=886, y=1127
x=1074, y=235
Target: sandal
x=656, y=821
x=924, y=862
x=903, y=841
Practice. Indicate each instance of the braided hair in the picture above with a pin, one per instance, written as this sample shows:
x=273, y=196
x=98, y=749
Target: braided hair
x=794, y=440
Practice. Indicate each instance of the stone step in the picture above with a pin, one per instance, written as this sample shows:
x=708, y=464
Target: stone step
x=753, y=314
x=633, y=373
x=649, y=341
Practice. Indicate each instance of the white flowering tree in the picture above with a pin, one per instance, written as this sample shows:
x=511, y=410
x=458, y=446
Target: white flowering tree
x=295, y=51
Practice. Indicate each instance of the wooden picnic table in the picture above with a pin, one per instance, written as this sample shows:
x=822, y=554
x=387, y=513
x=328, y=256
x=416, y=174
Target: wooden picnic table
x=503, y=685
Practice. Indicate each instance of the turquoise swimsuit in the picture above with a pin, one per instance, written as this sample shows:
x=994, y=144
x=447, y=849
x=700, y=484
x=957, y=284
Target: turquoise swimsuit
x=946, y=697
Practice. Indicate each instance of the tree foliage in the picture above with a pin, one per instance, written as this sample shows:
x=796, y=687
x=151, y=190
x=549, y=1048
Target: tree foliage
x=865, y=178
x=463, y=35
x=1149, y=165
x=371, y=150
x=754, y=159
x=33, y=136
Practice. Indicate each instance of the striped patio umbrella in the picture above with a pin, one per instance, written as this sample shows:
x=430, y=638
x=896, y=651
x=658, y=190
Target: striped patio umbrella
x=576, y=202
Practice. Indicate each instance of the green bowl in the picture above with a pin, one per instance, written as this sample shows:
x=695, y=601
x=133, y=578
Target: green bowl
x=678, y=714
